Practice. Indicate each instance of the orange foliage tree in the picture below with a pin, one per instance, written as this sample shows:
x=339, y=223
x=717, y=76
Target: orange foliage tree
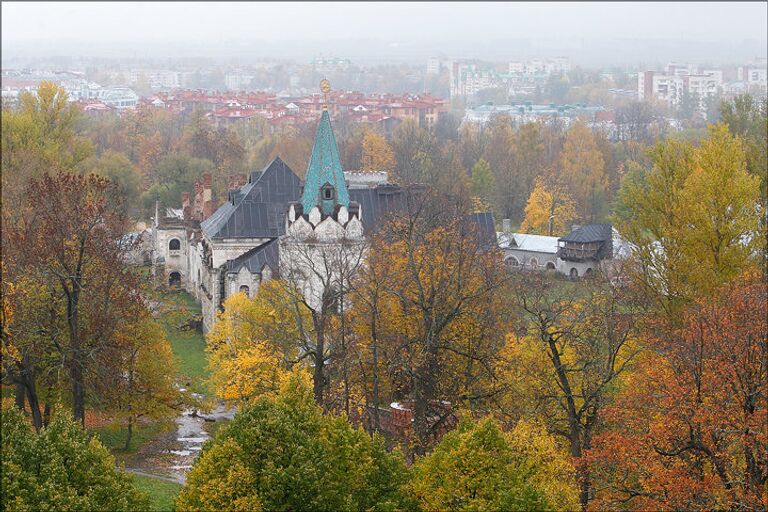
x=689, y=431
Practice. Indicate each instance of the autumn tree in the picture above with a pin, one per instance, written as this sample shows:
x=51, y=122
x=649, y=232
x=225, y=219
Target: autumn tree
x=28, y=351
x=143, y=384
x=350, y=141
x=633, y=121
x=693, y=218
x=529, y=164
x=582, y=169
x=254, y=342
x=688, y=430
x=566, y=360
x=377, y=154
x=439, y=317
x=294, y=147
x=499, y=153
x=479, y=467
x=284, y=453
x=317, y=278
x=747, y=118
x=411, y=144
x=222, y=146
x=77, y=244
x=38, y=136
x=60, y=468
x=472, y=142
x=550, y=210
x=446, y=174
x=174, y=173
x=119, y=170
x=483, y=183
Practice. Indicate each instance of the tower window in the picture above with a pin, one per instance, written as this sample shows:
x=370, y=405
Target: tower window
x=327, y=192
x=174, y=244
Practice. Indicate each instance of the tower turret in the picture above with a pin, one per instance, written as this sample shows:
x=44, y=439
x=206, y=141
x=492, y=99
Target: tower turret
x=323, y=242
x=324, y=185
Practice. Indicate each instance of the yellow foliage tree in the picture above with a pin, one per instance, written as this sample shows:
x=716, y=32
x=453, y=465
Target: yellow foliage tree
x=545, y=203
x=147, y=384
x=429, y=317
x=377, y=153
x=254, y=342
x=566, y=363
x=480, y=467
x=37, y=137
x=583, y=171
x=694, y=218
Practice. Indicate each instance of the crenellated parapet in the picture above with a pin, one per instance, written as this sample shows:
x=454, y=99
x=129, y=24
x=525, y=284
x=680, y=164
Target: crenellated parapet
x=342, y=224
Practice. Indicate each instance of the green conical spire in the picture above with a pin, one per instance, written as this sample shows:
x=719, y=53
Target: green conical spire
x=325, y=176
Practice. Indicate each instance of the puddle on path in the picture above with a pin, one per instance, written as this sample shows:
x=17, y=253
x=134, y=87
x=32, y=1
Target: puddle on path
x=191, y=433
x=173, y=454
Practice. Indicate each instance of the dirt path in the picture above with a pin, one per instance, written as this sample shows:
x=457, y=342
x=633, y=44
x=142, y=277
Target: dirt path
x=171, y=455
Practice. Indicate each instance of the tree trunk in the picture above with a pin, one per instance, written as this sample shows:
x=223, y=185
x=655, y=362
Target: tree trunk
x=34, y=403
x=424, y=391
x=78, y=392
x=47, y=414
x=375, y=354
x=76, y=363
x=27, y=379
x=19, y=396
x=318, y=375
x=130, y=433
x=574, y=426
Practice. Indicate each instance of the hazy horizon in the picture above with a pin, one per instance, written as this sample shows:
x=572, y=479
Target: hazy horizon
x=590, y=33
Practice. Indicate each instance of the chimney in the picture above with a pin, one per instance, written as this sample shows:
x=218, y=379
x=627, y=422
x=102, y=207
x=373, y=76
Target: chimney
x=208, y=209
x=506, y=225
x=236, y=181
x=207, y=185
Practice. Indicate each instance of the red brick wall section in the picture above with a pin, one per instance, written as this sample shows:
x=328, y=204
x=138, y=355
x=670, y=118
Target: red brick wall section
x=208, y=208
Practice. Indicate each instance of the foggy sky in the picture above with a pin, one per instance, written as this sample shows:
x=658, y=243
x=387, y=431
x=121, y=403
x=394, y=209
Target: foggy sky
x=61, y=26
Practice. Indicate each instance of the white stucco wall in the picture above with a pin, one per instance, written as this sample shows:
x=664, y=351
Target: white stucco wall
x=175, y=261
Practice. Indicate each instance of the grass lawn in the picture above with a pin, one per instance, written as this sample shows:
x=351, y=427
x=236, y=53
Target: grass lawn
x=188, y=345
x=113, y=436
x=161, y=493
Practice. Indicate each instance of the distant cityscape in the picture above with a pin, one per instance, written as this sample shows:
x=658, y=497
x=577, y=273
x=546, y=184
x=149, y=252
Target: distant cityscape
x=282, y=94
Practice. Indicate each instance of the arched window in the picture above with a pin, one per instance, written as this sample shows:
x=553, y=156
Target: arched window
x=174, y=244
x=574, y=273
x=533, y=263
x=512, y=262
x=588, y=272
x=244, y=289
x=550, y=266
x=174, y=279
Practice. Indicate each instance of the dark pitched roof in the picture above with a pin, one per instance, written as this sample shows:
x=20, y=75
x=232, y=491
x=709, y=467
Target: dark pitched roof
x=257, y=209
x=377, y=203
x=590, y=233
x=255, y=259
x=380, y=202
x=486, y=226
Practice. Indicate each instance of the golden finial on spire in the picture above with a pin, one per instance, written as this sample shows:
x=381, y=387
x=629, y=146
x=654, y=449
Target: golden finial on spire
x=325, y=86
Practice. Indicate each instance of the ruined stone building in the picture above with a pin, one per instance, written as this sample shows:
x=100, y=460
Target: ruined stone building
x=275, y=223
